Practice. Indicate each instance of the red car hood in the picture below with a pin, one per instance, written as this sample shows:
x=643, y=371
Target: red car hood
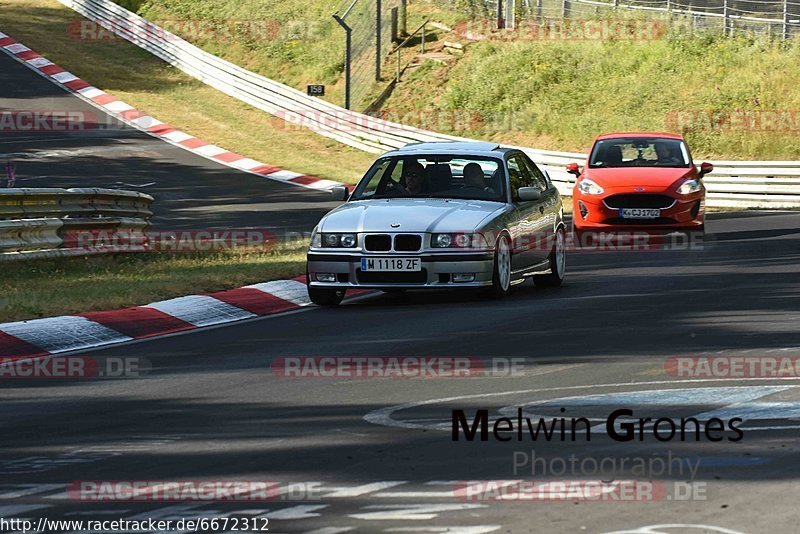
x=638, y=176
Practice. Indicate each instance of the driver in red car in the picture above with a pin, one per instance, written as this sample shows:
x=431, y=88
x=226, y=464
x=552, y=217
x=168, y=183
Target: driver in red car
x=665, y=155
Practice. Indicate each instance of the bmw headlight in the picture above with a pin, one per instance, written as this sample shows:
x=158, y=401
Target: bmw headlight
x=589, y=187
x=476, y=240
x=690, y=186
x=442, y=240
x=347, y=240
x=319, y=240
x=463, y=240
x=330, y=240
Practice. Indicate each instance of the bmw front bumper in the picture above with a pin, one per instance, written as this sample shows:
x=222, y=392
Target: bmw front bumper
x=437, y=270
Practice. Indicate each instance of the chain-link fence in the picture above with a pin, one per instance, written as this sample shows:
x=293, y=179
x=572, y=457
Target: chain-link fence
x=372, y=26
x=779, y=17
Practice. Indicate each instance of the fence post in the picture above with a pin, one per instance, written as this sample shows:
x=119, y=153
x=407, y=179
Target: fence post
x=726, y=14
x=348, y=50
x=500, y=21
x=538, y=9
x=378, y=55
x=394, y=18
x=397, y=77
x=564, y=8
x=785, y=19
x=403, y=17
x=510, y=14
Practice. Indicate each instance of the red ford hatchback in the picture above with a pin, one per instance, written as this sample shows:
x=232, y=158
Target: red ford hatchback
x=639, y=182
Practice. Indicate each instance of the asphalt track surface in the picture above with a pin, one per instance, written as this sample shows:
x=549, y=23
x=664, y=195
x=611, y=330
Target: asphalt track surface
x=191, y=192
x=211, y=408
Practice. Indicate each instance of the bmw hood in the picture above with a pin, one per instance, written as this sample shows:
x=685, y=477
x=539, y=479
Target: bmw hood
x=410, y=215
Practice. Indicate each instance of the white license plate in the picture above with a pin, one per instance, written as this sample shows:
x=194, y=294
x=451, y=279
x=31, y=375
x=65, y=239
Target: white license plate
x=391, y=264
x=639, y=213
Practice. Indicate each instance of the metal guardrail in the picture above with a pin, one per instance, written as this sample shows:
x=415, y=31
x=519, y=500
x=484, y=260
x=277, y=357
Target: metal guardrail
x=43, y=222
x=764, y=184
x=29, y=203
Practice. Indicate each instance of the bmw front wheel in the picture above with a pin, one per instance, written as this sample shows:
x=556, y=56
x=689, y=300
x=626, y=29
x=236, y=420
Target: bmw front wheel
x=558, y=263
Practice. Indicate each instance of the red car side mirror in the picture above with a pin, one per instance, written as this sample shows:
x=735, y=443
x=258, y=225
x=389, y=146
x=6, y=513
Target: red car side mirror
x=705, y=168
x=573, y=168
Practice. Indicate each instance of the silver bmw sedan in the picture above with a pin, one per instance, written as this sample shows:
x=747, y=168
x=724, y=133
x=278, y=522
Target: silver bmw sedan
x=441, y=215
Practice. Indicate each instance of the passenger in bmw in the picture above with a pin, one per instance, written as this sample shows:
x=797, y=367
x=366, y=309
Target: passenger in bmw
x=475, y=181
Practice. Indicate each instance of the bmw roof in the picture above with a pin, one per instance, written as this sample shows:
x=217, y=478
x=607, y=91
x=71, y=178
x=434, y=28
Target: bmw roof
x=448, y=147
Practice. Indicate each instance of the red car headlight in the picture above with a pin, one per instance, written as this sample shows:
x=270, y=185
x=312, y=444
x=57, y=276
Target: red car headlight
x=589, y=187
x=689, y=186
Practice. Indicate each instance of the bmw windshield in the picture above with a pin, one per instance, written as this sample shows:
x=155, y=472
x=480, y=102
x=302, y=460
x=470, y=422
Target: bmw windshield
x=639, y=152
x=458, y=177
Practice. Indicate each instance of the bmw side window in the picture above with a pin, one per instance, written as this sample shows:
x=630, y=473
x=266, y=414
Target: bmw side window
x=374, y=181
x=518, y=175
x=539, y=179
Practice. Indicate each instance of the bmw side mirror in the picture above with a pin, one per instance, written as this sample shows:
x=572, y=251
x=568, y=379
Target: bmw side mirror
x=526, y=194
x=340, y=193
x=573, y=168
x=705, y=168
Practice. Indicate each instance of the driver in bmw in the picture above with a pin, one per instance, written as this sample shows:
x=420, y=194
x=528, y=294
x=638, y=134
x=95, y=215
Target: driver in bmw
x=414, y=175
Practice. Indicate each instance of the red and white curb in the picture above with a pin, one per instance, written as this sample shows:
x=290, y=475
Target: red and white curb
x=150, y=125
x=53, y=335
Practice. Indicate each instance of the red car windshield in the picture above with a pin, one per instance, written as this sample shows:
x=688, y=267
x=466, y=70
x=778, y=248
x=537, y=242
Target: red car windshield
x=639, y=152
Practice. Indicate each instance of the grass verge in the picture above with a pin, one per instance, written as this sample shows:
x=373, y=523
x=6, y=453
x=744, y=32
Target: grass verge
x=47, y=288
x=151, y=85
